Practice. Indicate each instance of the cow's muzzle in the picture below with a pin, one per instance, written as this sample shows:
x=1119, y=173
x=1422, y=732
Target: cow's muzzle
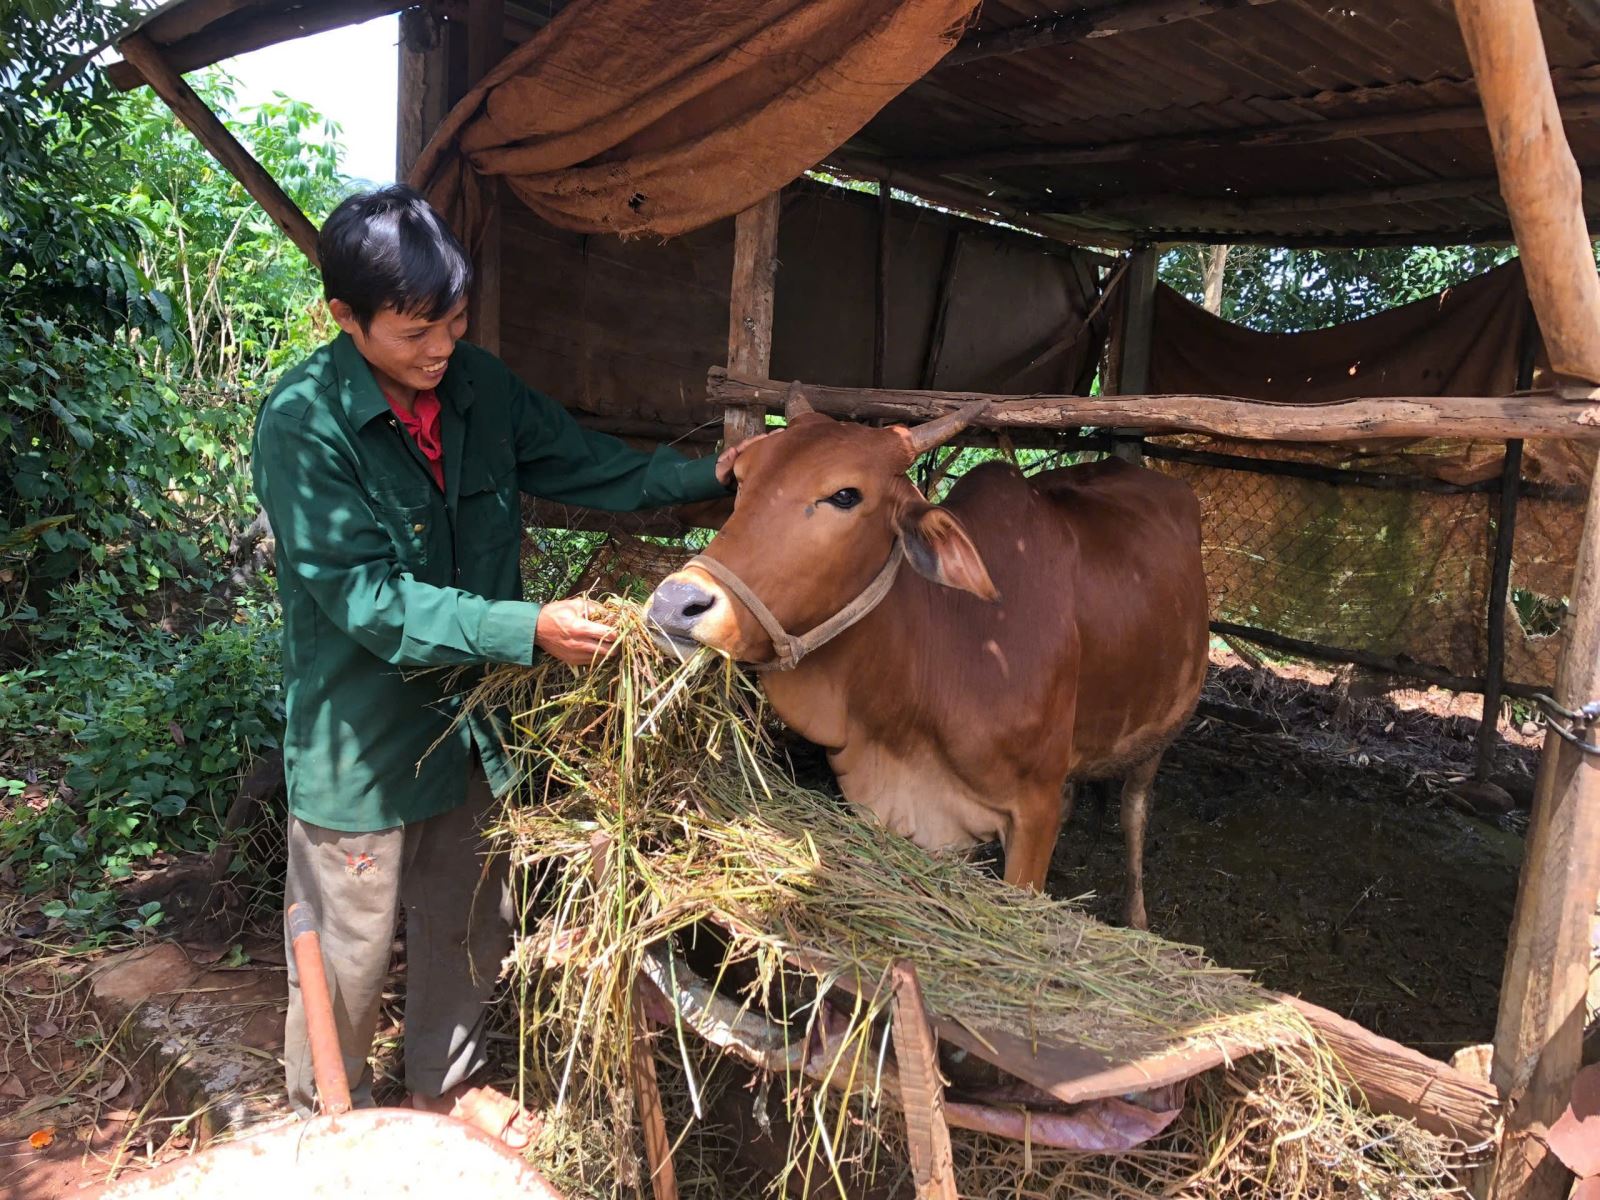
x=676, y=606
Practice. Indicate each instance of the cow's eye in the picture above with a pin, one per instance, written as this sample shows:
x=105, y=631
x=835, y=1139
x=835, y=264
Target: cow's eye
x=844, y=498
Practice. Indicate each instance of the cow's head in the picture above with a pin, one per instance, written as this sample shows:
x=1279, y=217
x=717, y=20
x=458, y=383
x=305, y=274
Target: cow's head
x=818, y=511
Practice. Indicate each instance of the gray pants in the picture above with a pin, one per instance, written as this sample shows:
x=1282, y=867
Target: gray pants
x=458, y=930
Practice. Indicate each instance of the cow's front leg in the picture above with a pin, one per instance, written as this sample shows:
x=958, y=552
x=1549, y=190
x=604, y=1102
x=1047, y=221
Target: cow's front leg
x=1029, y=838
x=1135, y=813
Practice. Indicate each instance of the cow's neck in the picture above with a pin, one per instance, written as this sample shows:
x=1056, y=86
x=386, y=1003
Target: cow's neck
x=813, y=698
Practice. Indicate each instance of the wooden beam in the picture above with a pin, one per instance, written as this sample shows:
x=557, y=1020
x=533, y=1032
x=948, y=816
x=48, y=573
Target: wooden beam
x=1538, y=1041
x=1300, y=133
x=1499, y=417
x=1538, y=177
x=1138, y=324
x=1399, y=1080
x=1185, y=207
x=755, y=269
x=222, y=145
x=1062, y=29
x=213, y=46
x=964, y=200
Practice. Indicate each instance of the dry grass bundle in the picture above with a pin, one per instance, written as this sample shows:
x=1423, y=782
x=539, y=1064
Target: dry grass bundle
x=654, y=828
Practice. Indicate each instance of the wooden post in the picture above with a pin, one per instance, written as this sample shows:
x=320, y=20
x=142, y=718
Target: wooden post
x=486, y=21
x=1538, y=178
x=1138, y=327
x=1500, y=572
x=755, y=268
x=423, y=76
x=916, y=1056
x=1494, y=673
x=222, y=145
x=880, y=288
x=1539, y=1035
x=647, y=1097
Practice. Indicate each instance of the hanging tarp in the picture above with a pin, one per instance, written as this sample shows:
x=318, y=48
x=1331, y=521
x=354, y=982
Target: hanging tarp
x=661, y=116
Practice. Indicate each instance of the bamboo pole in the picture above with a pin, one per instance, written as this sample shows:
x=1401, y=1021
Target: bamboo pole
x=222, y=145
x=1538, y=178
x=1498, y=417
x=750, y=299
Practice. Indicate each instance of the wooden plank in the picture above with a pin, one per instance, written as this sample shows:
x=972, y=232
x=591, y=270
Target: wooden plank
x=1538, y=177
x=240, y=37
x=1534, y=415
x=1137, y=331
x=1401, y=1081
x=222, y=145
x=916, y=1055
x=1065, y=28
x=755, y=268
x=1298, y=133
x=1538, y=1039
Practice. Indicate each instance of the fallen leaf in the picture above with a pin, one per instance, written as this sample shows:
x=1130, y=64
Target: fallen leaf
x=7, y=947
x=46, y=1029
x=12, y=1086
x=176, y=731
x=119, y=1114
x=39, y=1139
x=34, y=797
x=109, y=1089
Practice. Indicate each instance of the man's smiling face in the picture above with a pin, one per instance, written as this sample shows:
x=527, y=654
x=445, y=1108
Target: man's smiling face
x=407, y=353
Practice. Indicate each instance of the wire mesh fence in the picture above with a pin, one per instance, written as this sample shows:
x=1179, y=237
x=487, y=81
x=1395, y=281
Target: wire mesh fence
x=1394, y=571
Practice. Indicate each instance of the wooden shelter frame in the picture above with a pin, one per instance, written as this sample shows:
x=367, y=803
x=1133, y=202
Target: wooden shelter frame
x=1538, y=1035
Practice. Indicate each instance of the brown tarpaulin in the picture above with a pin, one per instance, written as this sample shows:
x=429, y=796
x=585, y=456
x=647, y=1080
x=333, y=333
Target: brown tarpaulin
x=661, y=116
x=1399, y=573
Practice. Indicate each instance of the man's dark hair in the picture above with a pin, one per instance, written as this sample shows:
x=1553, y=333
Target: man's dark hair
x=389, y=249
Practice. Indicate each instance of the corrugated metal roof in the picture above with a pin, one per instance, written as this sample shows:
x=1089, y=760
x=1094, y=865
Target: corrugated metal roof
x=1259, y=66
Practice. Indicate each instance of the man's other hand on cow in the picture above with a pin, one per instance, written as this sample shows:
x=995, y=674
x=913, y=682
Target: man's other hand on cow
x=728, y=457
x=574, y=631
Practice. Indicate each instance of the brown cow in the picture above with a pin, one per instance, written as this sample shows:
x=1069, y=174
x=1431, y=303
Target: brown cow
x=1051, y=629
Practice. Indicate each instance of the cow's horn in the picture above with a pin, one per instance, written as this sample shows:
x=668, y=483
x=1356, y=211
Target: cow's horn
x=795, y=403
x=932, y=434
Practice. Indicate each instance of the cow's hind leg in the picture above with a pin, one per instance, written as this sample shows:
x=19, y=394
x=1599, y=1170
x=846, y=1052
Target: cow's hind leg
x=1135, y=813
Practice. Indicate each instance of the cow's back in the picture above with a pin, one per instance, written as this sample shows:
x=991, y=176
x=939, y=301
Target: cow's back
x=1115, y=549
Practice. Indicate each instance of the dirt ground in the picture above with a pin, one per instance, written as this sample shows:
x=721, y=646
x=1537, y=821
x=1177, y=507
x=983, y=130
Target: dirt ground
x=1330, y=859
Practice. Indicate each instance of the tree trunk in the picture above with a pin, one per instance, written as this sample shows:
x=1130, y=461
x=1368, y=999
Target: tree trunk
x=1216, y=267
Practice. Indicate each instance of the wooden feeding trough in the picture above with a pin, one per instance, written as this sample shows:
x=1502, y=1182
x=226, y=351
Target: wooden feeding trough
x=1092, y=134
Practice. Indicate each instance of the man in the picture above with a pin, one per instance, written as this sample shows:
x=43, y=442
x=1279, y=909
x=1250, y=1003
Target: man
x=390, y=465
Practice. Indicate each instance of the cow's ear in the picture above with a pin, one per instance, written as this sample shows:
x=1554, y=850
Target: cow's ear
x=938, y=547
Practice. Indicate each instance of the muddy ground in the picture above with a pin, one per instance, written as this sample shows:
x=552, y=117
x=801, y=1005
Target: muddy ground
x=1330, y=858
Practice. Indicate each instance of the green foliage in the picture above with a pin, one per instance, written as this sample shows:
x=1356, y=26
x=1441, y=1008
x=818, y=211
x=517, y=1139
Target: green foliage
x=1285, y=291
x=159, y=730
x=246, y=303
x=148, y=302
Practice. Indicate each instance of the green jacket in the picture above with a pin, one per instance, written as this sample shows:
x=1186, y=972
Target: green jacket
x=382, y=575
